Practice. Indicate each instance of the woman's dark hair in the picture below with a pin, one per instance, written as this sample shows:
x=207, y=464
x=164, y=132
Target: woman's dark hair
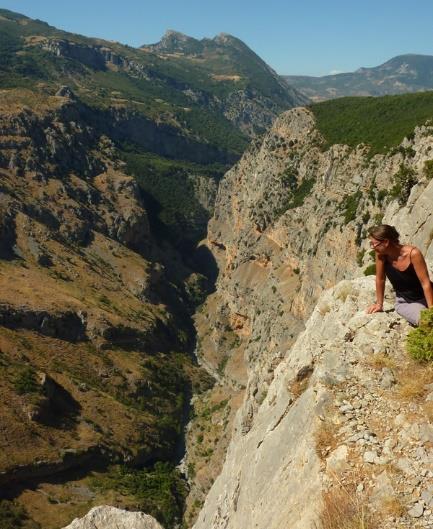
x=384, y=232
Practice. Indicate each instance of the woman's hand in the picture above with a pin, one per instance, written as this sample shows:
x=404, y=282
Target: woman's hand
x=376, y=307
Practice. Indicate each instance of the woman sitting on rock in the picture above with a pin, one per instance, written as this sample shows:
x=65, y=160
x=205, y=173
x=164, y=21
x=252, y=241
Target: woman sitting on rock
x=406, y=269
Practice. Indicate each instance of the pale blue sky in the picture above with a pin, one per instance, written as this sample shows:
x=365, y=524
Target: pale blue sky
x=310, y=37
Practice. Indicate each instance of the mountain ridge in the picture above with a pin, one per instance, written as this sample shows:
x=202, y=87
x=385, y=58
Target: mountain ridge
x=184, y=121
x=403, y=73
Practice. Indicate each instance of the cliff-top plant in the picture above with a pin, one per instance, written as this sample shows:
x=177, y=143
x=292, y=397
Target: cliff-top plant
x=296, y=197
x=350, y=205
x=343, y=508
x=404, y=180
x=419, y=342
x=428, y=169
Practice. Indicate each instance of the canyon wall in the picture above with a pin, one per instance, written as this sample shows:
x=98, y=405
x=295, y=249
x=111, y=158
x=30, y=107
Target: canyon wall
x=290, y=221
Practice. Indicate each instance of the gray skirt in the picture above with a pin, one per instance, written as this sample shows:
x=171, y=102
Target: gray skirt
x=410, y=310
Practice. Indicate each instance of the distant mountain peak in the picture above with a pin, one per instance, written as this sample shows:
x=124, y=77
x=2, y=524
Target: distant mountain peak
x=175, y=41
x=225, y=38
x=172, y=34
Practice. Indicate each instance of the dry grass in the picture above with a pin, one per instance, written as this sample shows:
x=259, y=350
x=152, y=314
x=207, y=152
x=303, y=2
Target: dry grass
x=392, y=470
x=392, y=506
x=343, y=290
x=343, y=508
x=226, y=77
x=346, y=508
x=300, y=383
x=14, y=100
x=381, y=360
x=412, y=379
x=298, y=387
x=323, y=307
x=326, y=439
x=428, y=410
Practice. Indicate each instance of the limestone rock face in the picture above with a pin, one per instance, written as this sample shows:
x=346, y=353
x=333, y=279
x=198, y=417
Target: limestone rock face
x=105, y=517
x=290, y=221
x=326, y=419
x=414, y=220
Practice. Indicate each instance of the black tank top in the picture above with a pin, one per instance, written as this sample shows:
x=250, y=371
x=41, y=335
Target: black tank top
x=405, y=282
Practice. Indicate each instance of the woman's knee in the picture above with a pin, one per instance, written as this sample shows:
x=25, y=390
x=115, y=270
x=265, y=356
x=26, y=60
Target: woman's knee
x=410, y=311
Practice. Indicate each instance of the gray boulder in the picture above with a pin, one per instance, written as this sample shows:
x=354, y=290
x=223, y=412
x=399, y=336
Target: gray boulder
x=105, y=517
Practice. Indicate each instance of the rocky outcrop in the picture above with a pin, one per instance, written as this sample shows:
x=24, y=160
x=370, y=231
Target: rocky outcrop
x=332, y=415
x=68, y=326
x=59, y=143
x=105, y=517
x=96, y=56
x=70, y=458
x=7, y=228
x=249, y=111
x=52, y=405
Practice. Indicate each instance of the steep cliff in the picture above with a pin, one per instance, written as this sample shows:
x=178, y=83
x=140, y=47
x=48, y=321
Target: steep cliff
x=290, y=221
x=343, y=433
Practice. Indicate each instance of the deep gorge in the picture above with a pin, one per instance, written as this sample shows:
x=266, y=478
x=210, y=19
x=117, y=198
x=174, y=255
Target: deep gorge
x=184, y=268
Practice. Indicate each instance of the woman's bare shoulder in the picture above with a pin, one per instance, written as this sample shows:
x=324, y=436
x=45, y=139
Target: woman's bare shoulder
x=415, y=252
x=409, y=249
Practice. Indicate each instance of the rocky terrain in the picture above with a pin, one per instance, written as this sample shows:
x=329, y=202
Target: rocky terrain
x=399, y=75
x=343, y=432
x=290, y=221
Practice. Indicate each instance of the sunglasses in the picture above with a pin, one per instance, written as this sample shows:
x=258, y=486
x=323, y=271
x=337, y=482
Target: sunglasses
x=376, y=244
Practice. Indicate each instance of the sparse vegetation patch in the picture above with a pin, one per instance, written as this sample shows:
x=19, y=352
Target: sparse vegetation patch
x=343, y=508
x=14, y=516
x=350, y=205
x=404, y=180
x=160, y=491
x=420, y=341
x=428, y=169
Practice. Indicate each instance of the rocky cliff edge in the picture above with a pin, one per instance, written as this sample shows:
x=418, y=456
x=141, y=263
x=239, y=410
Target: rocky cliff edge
x=343, y=432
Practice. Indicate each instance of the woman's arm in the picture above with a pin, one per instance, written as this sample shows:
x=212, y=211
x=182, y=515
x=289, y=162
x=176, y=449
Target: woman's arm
x=420, y=266
x=380, y=286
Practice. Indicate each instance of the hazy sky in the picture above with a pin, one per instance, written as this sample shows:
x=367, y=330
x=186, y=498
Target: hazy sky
x=310, y=37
